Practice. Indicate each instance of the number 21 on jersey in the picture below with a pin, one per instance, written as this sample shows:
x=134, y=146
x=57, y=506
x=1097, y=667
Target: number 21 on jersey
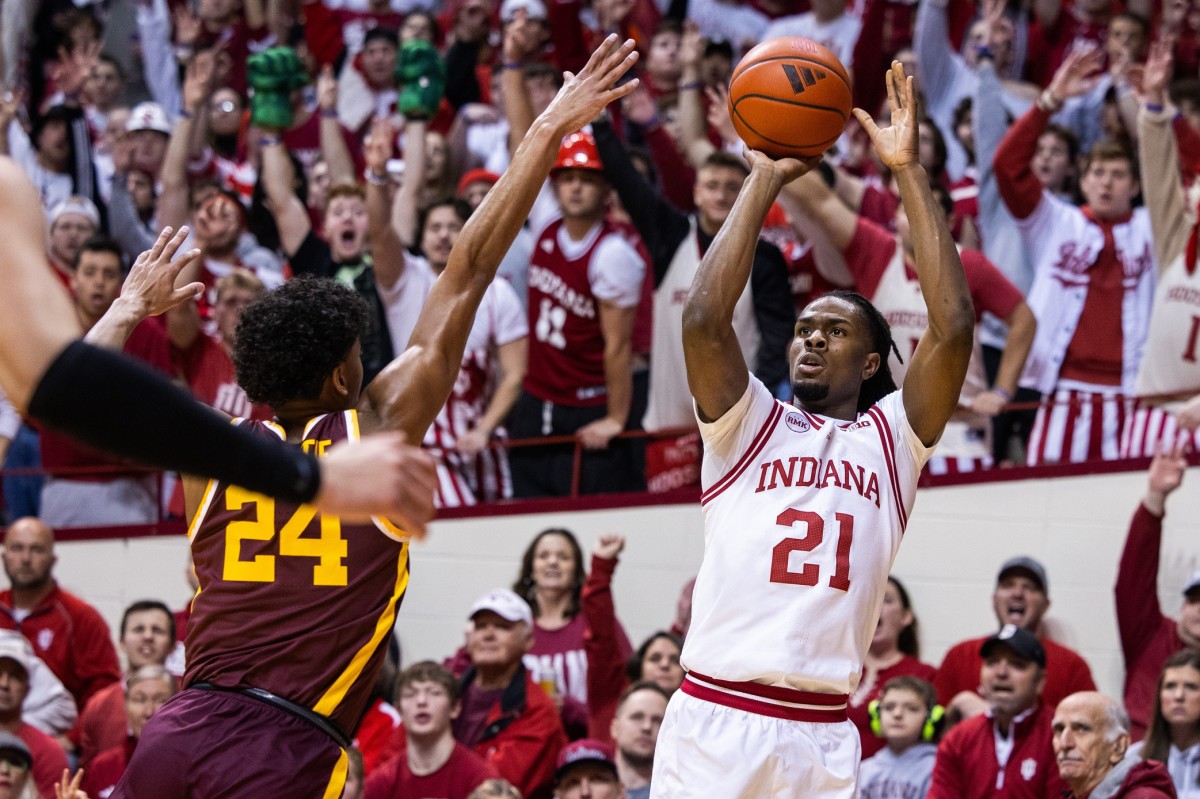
x=813, y=527
x=329, y=549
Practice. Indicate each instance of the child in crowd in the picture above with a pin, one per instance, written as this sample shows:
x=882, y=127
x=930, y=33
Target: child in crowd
x=908, y=716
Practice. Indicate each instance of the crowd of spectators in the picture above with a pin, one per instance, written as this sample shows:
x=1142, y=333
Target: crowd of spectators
x=547, y=696
x=351, y=140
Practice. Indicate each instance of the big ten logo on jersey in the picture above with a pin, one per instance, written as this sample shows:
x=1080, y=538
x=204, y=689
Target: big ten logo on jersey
x=255, y=540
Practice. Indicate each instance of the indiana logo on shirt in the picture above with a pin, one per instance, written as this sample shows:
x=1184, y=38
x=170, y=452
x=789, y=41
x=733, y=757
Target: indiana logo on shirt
x=45, y=638
x=797, y=422
x=1028, y=768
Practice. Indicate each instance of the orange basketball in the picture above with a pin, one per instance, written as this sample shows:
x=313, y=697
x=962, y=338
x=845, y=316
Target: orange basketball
x=789, y=97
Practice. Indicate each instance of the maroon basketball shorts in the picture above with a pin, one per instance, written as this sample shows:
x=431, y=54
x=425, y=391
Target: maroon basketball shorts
x=223, y=745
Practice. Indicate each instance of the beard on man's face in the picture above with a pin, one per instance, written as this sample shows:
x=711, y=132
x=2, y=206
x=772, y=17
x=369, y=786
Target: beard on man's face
x=808, y=391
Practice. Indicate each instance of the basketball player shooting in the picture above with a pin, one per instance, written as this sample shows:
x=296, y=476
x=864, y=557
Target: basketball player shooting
x=291, y=621
x=805, y=503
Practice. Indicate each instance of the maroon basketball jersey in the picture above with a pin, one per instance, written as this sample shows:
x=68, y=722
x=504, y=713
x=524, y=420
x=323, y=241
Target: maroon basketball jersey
x=291, y=601
x=566, y=348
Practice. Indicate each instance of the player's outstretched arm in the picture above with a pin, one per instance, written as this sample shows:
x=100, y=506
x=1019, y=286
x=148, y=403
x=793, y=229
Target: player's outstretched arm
x=408, y=394
x=935, y=376
x=717, y=372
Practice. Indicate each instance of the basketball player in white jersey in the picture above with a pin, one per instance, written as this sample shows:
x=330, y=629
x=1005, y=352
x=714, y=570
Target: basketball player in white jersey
x=805, y=504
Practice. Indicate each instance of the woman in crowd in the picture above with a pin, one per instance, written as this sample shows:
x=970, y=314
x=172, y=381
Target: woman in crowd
x=552, y=582
x=894, y=651
x=1174, y=734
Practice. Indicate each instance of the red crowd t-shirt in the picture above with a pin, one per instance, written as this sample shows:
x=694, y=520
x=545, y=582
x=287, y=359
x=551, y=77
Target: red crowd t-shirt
x=458, y=776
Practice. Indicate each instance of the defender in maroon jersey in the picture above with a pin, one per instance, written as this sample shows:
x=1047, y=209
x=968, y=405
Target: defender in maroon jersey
x=290, y=622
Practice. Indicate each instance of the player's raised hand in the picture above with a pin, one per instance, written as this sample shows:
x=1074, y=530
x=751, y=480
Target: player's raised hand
x=897, y=143
x=380, y=475
x=787, y=168
x=584, y=96
x=150, y=287
x=609, y=546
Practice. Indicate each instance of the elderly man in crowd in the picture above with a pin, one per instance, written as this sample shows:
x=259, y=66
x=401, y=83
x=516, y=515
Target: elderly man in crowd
x=1091, y=742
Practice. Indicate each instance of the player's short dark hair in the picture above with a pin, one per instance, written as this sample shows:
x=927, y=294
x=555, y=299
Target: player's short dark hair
x=1109, y=150
x=429, y=671
x=880, y=384
x=148, y=604
x=641, y=685
x=524, y=586
x=291, y=340
x=719, y=159
x=633, y=668
x=99, y=244
x=907, y=682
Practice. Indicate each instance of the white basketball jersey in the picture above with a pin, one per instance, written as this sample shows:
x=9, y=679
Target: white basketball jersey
x=1171, y=359
x=803, y=516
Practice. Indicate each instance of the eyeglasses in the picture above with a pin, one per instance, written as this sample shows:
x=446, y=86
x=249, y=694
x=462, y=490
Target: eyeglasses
x=227, y=106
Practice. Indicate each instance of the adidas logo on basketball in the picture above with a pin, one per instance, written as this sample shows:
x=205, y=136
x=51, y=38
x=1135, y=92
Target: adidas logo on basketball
x=802, y=77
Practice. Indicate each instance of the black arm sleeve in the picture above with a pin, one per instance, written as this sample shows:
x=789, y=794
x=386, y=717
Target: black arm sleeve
x=774, y=312
x=118, y=405
x=462, y=87
x=661, y=225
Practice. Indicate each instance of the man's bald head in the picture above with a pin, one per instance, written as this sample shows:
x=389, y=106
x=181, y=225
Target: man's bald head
x=1090, y=736
x=28, y=553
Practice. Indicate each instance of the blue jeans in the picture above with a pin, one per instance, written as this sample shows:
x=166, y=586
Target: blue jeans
x=23, y=495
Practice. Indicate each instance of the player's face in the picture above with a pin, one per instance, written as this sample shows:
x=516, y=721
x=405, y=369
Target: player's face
x=716, y=191
x=346, y=227
x=28, y=554
x=893, y=618
x=425, y=708
x=144, y=699
x=68, y=234
x=554, y=563
x=495, y=642
x=147, y=638
x=660, y=664
x=581, y=193
x=828, y=356
x=1179, y=696
x=1051, y=163
x=442, y=226
x=1010, y=683
x=635, y=727
x=96, y=282
x=1109, y=187
x=902, y=717
x=589, y=781
x=1080, y=739
x=1189, y=616
x=1019, y=600
x=14, y=686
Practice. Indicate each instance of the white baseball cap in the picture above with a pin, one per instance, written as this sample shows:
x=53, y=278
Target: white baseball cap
x=75, y=204
x=16, y=649
x=148, y=116
x=505, y=604
x=534, y=9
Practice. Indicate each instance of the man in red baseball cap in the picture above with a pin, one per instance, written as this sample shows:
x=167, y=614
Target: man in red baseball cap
x=587, y=769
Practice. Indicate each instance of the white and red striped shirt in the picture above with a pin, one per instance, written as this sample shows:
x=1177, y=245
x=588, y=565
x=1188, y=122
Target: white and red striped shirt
x=803, y=516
